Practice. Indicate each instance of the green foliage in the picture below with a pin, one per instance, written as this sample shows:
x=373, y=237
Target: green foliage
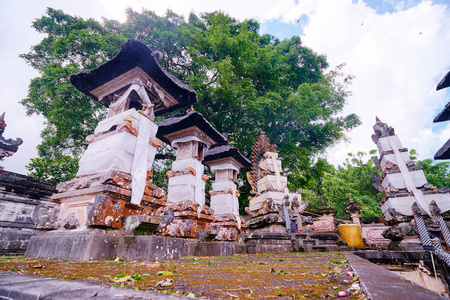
x=438, y=174
x=246, y=82
x=70, y=45
x=352, y=179
x=55, y=168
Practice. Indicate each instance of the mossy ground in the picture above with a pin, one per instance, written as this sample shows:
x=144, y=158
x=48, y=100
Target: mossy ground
x=263, y=276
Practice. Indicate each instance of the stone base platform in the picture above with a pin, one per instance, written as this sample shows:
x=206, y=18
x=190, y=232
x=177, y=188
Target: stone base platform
x=97, y=244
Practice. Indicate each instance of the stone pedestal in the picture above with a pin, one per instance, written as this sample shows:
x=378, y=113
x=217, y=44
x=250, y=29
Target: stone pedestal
x=102, y=200
x=223, y=198
x=276, y=197
x=324, y=223
x=225, y=162
x=112, y=147
x=184, y=219
x=372, y=233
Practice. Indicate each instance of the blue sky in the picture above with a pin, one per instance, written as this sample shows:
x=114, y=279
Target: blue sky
x=397, y=50
x=283, y=30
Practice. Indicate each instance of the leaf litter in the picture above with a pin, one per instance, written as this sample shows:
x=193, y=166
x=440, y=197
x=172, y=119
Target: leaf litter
x=280, y=276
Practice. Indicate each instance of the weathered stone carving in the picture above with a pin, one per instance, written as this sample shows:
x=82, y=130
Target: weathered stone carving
x=353, y=210
x=184, y=219
x=46, y=216
x=191, y=135
x=7, y=146
x=114, y=171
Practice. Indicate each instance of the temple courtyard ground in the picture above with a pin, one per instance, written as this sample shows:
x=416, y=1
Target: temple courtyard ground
x=263, y=276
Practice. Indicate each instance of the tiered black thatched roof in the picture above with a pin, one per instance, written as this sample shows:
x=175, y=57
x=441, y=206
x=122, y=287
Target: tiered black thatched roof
x=226, y=151
x=444, y=115
x=194, y=118
x=444, y=152
x=135, y=54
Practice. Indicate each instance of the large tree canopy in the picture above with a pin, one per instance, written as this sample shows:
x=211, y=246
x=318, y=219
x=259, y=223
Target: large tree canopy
x=246, y=82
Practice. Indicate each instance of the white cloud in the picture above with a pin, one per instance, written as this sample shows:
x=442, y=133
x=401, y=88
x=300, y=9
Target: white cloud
x=397, y=58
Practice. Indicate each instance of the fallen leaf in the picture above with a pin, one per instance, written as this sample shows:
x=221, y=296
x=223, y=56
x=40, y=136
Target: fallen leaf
x=136, y=277
x=164, y=283
x=121, y=275
x=154, y=265
x=38, y=266
x=122, y=279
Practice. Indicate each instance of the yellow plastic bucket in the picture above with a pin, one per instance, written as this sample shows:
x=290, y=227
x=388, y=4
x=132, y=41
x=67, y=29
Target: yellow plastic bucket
x=351, y=233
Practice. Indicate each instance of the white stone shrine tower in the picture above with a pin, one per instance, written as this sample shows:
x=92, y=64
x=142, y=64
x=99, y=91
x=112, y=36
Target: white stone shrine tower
x=402, y=182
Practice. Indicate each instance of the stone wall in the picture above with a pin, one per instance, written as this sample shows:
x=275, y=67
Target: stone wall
x=21, y=199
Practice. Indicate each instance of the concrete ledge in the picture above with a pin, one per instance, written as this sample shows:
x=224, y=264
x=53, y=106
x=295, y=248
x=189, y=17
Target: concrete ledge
x=74, y=245
x=152, y=248
x=217, y=249
x=381, y=284
x=265, y=248
x=24, y=287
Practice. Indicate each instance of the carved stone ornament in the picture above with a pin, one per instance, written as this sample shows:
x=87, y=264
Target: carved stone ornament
x=7, y=146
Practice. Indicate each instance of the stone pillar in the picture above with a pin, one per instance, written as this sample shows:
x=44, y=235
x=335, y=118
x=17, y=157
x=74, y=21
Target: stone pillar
x=186, y=213
x=225, y=162
x=224, y=197
x=186, y=180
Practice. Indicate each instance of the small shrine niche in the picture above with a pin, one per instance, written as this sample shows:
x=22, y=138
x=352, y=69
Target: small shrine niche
x=226, y=175
x=191, y=149
x=225, y=162
x=191, y=135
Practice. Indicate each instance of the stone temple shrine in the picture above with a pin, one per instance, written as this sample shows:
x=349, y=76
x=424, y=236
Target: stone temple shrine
x=112, y=209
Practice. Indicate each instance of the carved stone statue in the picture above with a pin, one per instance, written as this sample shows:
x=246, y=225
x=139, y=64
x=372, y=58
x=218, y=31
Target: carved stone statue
x=7, y=146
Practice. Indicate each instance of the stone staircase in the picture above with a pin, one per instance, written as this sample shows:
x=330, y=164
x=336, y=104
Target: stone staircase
x=295, y=242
